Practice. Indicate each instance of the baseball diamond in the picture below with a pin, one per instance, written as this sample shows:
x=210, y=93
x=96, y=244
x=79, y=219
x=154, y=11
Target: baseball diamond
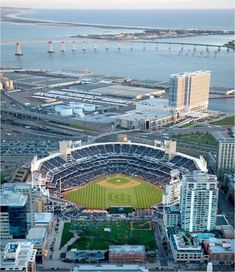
x=116, y=190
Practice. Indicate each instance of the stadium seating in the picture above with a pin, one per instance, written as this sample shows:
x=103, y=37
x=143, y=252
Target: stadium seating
x=93, y=161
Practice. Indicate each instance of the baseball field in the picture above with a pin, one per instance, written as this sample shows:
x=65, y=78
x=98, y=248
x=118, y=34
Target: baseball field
x=116, y=190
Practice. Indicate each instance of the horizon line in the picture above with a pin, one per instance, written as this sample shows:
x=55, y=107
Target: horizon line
x=184, y=8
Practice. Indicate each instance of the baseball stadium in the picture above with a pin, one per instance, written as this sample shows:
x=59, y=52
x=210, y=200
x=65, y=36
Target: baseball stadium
x=114, y=174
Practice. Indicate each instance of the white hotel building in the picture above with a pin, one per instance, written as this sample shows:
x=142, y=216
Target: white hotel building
x=198, y=202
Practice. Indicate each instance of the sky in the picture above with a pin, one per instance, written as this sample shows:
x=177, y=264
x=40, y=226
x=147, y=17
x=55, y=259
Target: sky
x=120, y=4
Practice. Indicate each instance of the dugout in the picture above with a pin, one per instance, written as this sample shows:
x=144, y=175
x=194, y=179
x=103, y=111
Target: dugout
x=120, y=209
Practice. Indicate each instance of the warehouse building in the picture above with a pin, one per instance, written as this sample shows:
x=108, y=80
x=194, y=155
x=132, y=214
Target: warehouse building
x=128, y=92
x=150, y=114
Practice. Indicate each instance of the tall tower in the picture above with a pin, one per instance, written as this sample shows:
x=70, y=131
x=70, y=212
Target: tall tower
x=189, y=91
x=198, y=202
x=225, y=160
x=26, y=190
x=13, y=214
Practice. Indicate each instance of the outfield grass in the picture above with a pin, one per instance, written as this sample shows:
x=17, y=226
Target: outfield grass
x=200, y=138
x=227, y=121
x=137, y=193
x=92, y=235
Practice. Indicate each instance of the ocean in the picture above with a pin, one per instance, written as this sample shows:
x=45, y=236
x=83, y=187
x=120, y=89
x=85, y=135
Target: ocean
x=176, y=19
x=149, y=64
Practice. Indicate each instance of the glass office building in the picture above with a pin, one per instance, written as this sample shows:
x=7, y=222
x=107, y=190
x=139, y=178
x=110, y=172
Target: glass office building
x=13, y=215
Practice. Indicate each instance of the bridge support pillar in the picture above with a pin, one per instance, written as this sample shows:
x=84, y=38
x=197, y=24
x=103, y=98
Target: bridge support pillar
x=219, y=48
x=62, y=49
x=84, y=45
x=106, y=45
x=73, y=46
x=50, y=47
x=95, y=45
x=144, y=47
x=18, y=50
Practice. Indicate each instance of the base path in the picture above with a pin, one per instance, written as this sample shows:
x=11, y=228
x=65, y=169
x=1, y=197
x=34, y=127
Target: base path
x=128, y=185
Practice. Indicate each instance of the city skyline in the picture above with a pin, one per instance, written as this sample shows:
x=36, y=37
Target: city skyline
x=122, y=4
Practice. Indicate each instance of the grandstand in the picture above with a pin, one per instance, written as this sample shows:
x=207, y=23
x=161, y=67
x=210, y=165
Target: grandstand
x=89, y=162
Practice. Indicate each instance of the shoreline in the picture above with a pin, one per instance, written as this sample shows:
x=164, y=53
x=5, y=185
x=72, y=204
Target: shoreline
x=13, y=17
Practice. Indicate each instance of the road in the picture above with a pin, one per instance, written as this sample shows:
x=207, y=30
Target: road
x=226, y=207
x=161, y=252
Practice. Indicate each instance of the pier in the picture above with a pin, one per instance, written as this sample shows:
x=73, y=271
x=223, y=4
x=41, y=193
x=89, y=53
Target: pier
x=221, y=96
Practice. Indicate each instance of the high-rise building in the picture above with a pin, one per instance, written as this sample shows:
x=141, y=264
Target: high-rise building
x=198, y=202
x=13, y=214
x=171, y=195
x=25, y=189
x=189, y=91
x=225, y=159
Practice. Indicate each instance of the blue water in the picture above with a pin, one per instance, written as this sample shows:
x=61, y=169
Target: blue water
x=200, y=19
x=140, y=64
x=205, y=235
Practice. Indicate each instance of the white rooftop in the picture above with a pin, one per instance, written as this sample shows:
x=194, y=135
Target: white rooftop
x=43, y=218
x=36, y=235
x=110, y=268
x=17, y=255
x=143, y=115
x=17, y=186
x=127, y=249
x=199, y=176
x=185, y=74
x=153, y=108
x=12, y=199
x=185, y=243
x=158, y=102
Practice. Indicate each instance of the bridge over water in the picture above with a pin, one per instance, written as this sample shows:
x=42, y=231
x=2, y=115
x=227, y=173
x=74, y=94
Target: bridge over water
x=73, y=45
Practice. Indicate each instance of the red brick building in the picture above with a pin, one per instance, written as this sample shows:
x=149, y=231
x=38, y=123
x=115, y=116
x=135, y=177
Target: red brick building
x=127, y=254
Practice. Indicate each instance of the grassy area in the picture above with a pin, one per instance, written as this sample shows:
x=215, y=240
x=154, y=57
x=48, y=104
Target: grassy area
x=198, y=125
x=99, y=235
x=116, y=190
x=186, y=125
x=82, y=127
x=67, y=234
x=227, y=121
x=200, y=138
